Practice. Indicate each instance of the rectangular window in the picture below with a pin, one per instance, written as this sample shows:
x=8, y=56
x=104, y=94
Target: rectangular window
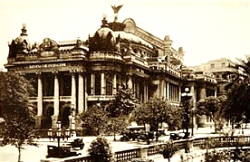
x=64, y=84
x=48, y=84
x=97, y=84
x=109, y=83
x=212, y=66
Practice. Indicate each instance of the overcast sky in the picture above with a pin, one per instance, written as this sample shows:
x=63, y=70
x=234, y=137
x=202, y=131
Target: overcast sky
x=206, y=29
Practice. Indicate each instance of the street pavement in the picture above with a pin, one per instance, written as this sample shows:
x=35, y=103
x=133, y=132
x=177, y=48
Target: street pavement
x=35, y=154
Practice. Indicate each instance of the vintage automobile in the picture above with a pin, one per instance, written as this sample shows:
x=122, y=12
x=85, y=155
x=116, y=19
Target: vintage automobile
x=78, y=142
x=177, y=136
x=60, y=152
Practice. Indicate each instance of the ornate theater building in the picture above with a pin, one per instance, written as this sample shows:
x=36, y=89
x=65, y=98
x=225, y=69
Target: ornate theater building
x=73, y=75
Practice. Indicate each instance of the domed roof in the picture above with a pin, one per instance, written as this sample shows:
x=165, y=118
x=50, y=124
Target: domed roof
x=23, y=36
x=105, y=32
x=132, y=37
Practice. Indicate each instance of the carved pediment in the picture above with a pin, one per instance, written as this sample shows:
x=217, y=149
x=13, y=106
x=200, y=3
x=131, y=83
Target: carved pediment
x=48, y=48
x=48, y=45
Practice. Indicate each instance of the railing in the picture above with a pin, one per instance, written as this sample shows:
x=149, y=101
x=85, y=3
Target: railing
x=127, y=155
x=203, y=143
x=79, y=159
x=101, y=97
x=105, y=55
x=152, y=150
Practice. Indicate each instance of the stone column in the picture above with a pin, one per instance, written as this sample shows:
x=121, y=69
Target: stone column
x=194, y=99
x=130, y=82
x=215, y=92
x=92, y=84
x=114, y=85
x=160, y=89
x=56, y=101
x=73, y=90
x=145, y=92
x=168, y=92
x=203, y=118
x=103, y=84
x=85, y=94
x=80, y=93
x=39, y=101
x=203, y=93
x=73, y=103
x=179, y=94
x=164, y=90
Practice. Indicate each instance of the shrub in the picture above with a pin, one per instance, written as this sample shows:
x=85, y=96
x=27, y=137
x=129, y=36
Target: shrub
x=100, y=150
x=168, y=150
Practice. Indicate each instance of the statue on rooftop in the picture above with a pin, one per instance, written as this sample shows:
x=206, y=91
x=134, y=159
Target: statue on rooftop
x=116, y=9
x=19, y=45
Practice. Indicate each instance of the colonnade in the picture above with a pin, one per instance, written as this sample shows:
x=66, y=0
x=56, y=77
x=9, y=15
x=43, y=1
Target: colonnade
x=168, y=91
x=82, y=102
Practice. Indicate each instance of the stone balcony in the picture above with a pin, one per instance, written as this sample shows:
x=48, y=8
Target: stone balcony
x=105, y=55
x=101, y=98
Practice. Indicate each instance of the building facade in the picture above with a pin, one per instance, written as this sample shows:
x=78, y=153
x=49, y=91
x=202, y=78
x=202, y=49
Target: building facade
x=70, y=76
x=224, y=71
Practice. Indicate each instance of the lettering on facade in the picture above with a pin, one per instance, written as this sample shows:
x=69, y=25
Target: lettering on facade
x=46, y=65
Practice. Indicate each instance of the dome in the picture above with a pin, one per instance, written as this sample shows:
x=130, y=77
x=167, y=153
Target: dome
x=103, y=32
x=133, y=38
x=23, y=36
x=106, y=32
x=21, y=39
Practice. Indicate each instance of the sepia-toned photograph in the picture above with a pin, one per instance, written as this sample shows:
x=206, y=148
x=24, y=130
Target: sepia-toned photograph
x=124, y=80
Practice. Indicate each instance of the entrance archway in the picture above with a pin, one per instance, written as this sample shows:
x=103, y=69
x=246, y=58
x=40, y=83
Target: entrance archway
x=47, y=119
x=65, y=117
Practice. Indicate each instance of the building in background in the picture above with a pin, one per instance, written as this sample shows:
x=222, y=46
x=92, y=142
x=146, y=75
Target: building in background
x=223, y=70
x=73, y=75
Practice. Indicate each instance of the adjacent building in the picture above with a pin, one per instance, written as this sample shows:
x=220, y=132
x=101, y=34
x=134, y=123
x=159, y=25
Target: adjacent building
x=223, y=70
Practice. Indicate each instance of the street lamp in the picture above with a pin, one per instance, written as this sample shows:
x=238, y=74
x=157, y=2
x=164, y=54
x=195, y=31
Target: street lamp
x=192, y=116
x=50, y=134
x=58, y=132
x=185, y=99
x=67, y=133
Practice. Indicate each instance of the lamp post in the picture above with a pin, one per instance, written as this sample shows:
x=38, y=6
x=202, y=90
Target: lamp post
x=192, y=118
x=185, y=99
x=67, y=133
x=50, y=134
x=58, y=132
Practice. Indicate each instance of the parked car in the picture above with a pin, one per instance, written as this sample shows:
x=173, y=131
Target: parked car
x=177, y=136
x=78, y=142
x=60, y=152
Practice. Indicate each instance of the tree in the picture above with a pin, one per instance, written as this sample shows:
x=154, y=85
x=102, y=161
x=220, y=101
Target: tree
x=214, y=108
x=94, y=120
x=238, y=102
x=116, y=125
x=18, y=114
x=157, y=111
x=100, y=150
x=123, y=104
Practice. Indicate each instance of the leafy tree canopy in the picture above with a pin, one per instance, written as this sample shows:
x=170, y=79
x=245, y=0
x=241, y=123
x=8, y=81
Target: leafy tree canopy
x=100, y=150
x=238, y=103
x=123, y=104
x=18, y=114
x=116, y=125
x=214, y=107
x=94, y=119
x=157, y=111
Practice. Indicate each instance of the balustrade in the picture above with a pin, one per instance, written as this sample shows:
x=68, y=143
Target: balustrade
x=209, y=142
